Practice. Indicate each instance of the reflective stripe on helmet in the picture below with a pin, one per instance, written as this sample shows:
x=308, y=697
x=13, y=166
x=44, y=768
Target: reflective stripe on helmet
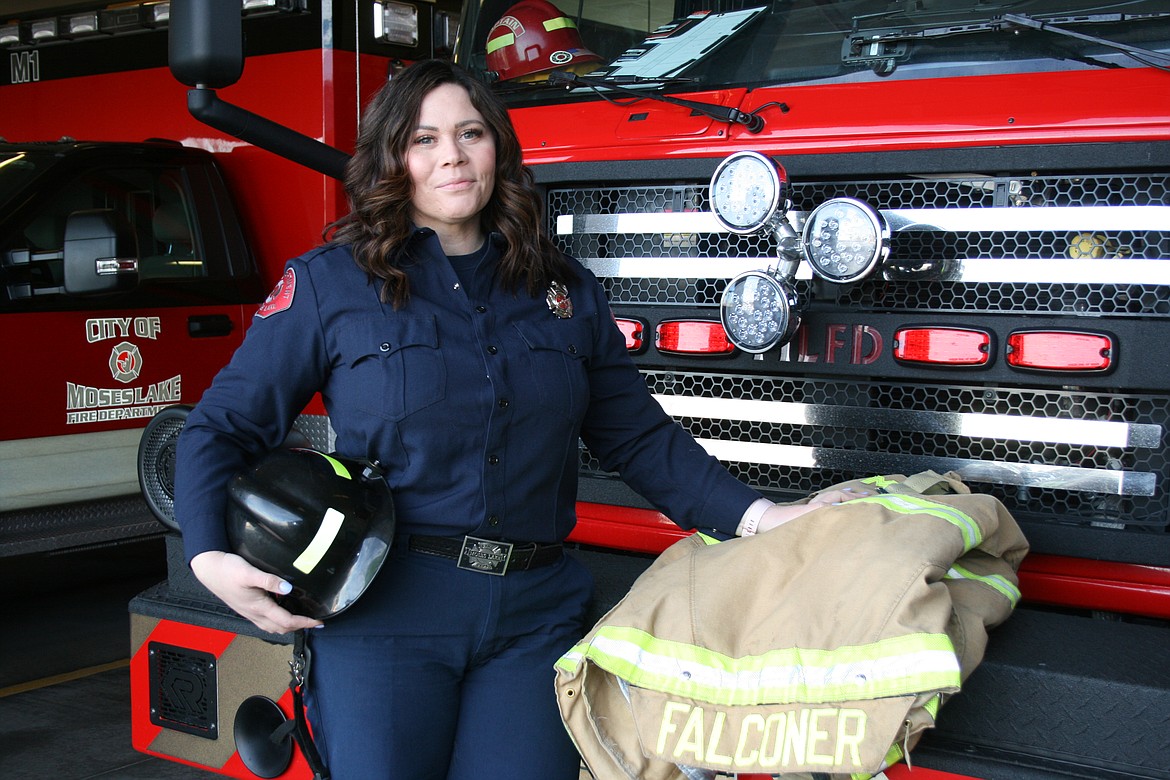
x=895, y=666
x=559, y=23
x=338, y=467
x=322, y=540
x=500, y=41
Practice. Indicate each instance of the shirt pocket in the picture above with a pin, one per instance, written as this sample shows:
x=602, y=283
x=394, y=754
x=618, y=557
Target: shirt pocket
x=393, y=367
x=557, y=358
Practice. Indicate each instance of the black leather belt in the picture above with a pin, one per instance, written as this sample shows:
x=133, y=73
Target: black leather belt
x=488, y=556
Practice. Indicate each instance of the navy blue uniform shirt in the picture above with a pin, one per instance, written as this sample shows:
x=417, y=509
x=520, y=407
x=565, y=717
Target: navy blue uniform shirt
x=472, y=397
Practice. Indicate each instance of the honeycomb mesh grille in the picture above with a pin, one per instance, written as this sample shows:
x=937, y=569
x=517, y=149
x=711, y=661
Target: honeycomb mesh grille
x=1140, y=513
x=1084, y=508
x=907, y=245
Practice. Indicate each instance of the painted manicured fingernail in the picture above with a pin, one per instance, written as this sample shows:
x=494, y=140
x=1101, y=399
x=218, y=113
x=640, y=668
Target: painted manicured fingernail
x=284, y=587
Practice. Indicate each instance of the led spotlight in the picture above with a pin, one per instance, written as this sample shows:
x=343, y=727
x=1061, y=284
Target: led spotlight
x=81, y=24
x=43, y=29
x=396, y=23
x=844, y=240
x=746, y=191
x=759, y=311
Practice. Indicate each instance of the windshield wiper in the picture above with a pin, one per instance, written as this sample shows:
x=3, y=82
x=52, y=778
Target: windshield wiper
x=659, y=80
x=1154, y=59
x=732, y=116
x=881, y=48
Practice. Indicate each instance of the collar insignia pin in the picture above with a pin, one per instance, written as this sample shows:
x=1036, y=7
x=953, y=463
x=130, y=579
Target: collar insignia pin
x=558, y=300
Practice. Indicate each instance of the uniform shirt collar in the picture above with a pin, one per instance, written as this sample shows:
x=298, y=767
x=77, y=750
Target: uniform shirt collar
x=423, y=233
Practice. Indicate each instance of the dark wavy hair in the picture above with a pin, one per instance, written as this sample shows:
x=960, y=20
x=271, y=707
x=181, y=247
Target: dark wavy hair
x=378, y=184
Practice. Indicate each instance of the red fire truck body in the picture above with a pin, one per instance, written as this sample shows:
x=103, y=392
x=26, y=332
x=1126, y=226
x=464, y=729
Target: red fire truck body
x=69, y=455
x=1024, y=177
x=849, y=115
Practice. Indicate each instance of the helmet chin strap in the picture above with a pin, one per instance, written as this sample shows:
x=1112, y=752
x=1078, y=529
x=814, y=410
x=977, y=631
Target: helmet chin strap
x=298, y=726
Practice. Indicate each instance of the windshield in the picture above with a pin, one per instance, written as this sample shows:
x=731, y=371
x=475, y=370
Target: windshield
x=17, y=168
x=742, y=43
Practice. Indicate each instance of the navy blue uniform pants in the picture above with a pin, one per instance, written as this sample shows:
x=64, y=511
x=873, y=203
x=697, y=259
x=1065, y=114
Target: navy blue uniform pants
x=438, y=673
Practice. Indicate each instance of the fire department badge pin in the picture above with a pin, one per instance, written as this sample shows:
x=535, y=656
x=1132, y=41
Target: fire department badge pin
x=558, y=300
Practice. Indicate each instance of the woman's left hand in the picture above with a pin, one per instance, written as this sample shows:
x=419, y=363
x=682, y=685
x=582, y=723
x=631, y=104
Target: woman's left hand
x=780, y=514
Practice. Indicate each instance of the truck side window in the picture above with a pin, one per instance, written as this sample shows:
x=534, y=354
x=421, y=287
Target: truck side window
x=153, y=201
x=170, y=249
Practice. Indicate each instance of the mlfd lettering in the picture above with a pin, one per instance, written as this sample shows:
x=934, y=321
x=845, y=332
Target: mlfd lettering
x=863, y=336
x=815, y=736
x=102, y=328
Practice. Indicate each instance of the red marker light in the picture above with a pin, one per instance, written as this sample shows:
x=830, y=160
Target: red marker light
x=1055, y=350
x=693, y=337
x=634, y=331
x=943, y=346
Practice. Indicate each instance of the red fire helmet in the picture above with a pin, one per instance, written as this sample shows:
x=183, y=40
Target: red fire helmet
x=534, y=37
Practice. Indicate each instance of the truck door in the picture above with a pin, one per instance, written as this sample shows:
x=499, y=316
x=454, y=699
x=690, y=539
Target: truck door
x=95, y=367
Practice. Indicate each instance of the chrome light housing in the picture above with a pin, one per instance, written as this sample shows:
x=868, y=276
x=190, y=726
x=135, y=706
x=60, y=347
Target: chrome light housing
x=759, y=311
x=396, y=23
x=746, y=192
x=844, y=240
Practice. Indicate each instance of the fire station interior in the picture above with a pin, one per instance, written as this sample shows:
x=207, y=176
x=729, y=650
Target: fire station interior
x=84, y=615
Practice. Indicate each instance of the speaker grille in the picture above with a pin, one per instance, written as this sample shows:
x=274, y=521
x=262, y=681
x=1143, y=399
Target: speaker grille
x=184, y=690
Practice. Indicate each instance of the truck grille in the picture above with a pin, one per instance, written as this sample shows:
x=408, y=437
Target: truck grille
x=1081, y=252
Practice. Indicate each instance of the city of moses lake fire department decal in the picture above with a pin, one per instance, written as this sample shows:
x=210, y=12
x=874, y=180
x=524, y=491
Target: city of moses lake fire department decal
x=281, y=296
x=125, y=362
x=89, y=404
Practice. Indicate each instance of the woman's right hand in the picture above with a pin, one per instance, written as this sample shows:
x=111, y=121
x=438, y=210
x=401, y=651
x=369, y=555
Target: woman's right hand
x=248, y=591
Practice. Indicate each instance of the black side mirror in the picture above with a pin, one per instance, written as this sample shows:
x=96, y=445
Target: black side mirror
x=101, y=254
x=206, y=44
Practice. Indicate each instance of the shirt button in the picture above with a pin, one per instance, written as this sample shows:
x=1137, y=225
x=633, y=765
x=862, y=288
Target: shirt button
x=502, y=403
x=384, y=346
x=493, y=459
x=572, y=349
x=492, y=350
x=481, y=309
x=493, y=520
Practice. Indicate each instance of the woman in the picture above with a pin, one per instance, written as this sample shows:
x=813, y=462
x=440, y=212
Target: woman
x=453, y=343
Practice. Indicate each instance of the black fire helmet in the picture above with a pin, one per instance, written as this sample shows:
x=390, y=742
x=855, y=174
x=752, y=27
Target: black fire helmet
x=324, y=523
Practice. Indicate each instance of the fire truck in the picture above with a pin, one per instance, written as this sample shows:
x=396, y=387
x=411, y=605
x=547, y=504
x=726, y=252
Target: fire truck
x=132, y=267
x=842, y=238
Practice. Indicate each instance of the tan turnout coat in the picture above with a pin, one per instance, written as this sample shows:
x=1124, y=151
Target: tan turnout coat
x=825, y=645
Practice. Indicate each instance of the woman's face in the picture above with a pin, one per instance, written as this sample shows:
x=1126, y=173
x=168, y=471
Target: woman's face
x=452, y=162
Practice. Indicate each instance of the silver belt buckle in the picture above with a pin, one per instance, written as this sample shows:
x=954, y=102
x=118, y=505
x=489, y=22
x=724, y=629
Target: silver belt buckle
x=486, y=556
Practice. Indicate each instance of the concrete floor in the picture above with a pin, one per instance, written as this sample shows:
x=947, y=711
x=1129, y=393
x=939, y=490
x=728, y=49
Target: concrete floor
x=64, y=678
x=64, y=666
